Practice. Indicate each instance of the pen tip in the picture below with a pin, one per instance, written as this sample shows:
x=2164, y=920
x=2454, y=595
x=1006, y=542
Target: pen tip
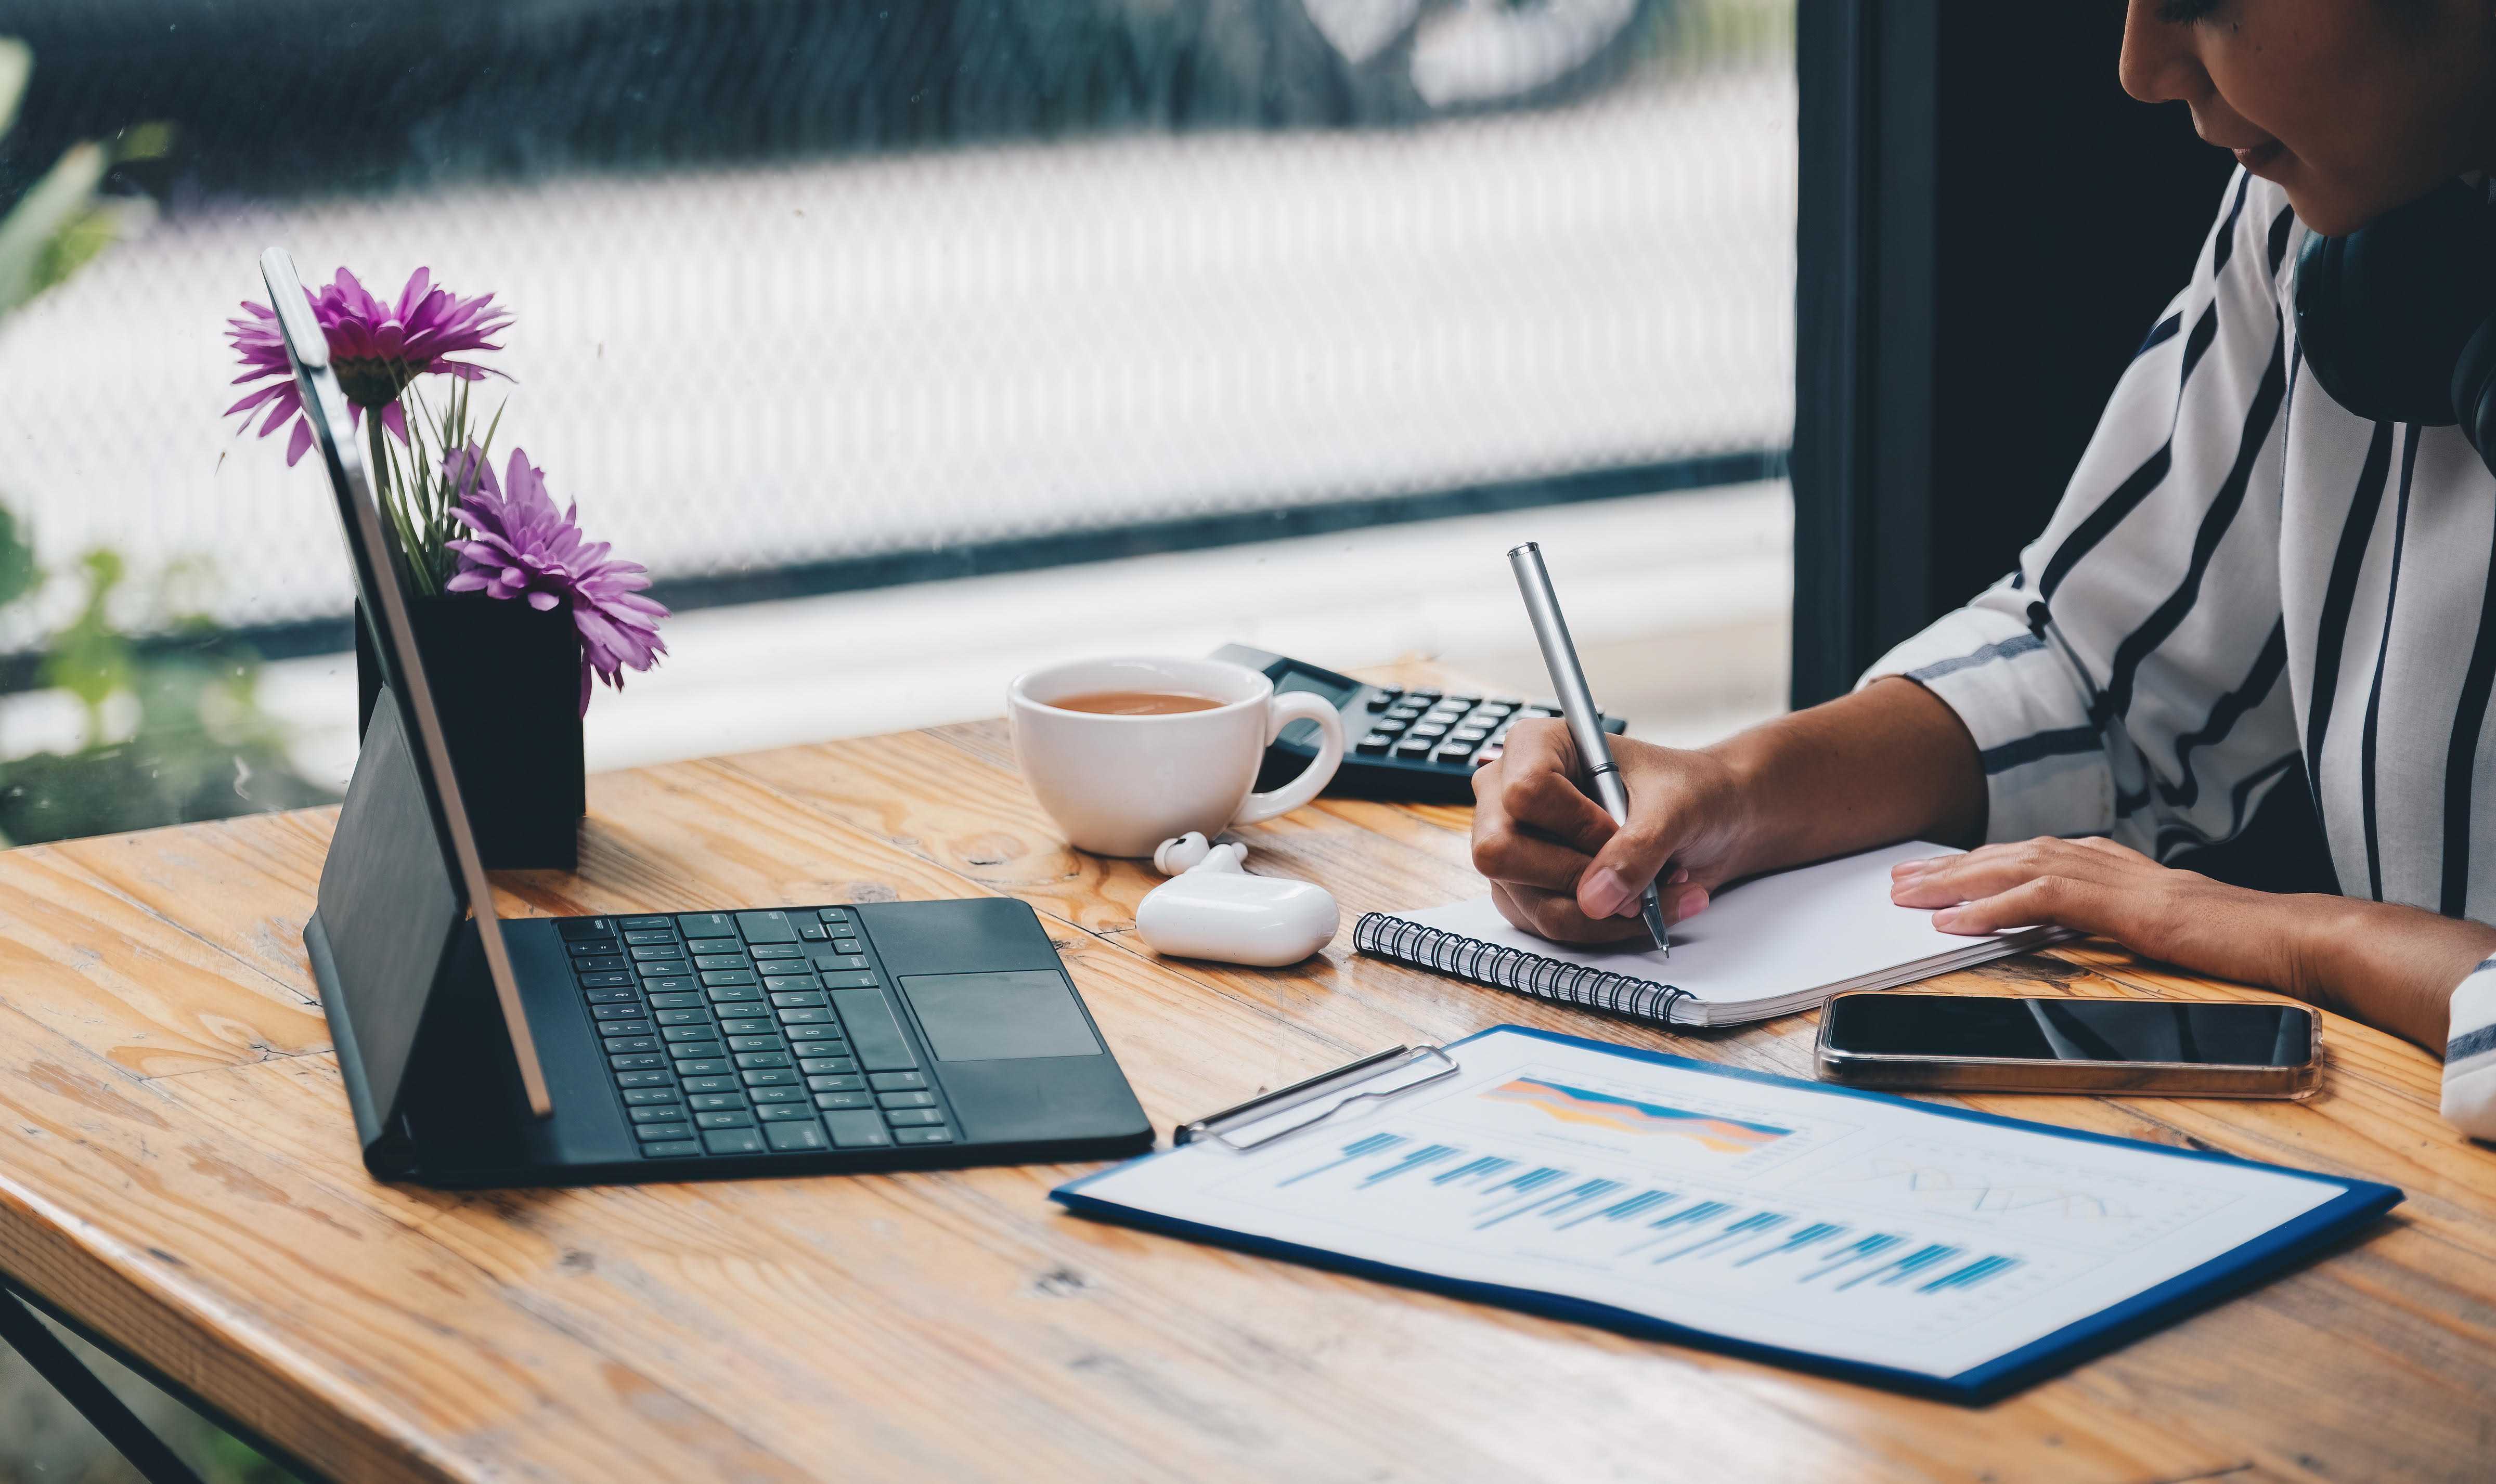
x=1516, y=551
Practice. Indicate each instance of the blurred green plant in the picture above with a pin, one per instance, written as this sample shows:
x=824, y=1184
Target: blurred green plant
x=168, y=734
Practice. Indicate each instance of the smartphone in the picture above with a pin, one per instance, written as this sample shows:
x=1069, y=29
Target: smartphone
x=2208, y=1048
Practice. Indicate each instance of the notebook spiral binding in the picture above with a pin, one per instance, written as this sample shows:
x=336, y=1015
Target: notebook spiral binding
x=1381, y=934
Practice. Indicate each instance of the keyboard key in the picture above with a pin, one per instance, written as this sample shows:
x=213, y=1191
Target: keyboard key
x=753, y=1059
x=664, y=947
x=833, y=915
x=671, y=1149
x=907, y=1100
x=647, y=924
x=835, y=963
x=874, y=1034
x=777, y=984
x=702, y=1050
x=733, y=1021
x=778, y=1095
x=778, y=1112
x=622, y=1010
x=669, y=985
x=682, y=1017
x=660, y=968
x=858, y=1130
x=831, y=1101
x=809, y=1015
x=683, y=998
x=765, y=951
x=808, y=998
x=754, y=1043
x=644, y=1063
x=851, y=979
x=700, y=1031
x=642, y=1097
x=624, y=1028
x=812, y=932
x=725, y=994
x=719, y=960
x=675, y=1130
x=770, y=1076
x=897, y=1081
x=715, y=946
x=923, y=1135
x=706, y=925
x=626, y=1046
x=733, y=1141
x=724, y=1119
x=639, y=1079
x=849, y=946
x=607, y=980
x=791, y=1138
x=640, y=938
x=715, y=1102
x=600, y=962
x=721, y=978
x=704, y=1066
x=842, y=1082
x=610, y=997
x=828, y=1065
x=913, y=1117
x=569, y=928
x=711, y=1084
x=767, y=927
x=591, y=947
x=665, y=1114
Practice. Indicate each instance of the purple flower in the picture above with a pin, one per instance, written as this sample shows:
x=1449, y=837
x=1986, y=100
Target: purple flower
x=376, y=346
x=524, y=548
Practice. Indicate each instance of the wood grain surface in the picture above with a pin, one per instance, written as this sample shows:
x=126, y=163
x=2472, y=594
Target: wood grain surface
x=178, y=1173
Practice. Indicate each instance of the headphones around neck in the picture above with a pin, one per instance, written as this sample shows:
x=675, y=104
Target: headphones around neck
x=2397, y=320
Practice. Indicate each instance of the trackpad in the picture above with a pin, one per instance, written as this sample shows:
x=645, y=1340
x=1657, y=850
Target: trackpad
x=994, y=1017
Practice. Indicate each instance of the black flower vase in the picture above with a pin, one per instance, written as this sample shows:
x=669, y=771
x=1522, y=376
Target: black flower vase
x=506, y=680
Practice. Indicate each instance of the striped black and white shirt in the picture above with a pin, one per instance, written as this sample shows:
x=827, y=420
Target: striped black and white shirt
x=2252, y=588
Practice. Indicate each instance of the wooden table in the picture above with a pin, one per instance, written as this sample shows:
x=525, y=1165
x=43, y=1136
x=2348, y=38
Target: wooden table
x=179, y=1176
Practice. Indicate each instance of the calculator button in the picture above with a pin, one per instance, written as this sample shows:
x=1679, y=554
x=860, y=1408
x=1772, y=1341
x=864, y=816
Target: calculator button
x=1453, y=752
x=1469, y=735
x=1382, y=700
x=794, y=1138
x=1389, y=725
x=1488, y=753
x=1403, y=714
x=733, y=1141
x=1425, y=693
x=1415, y=749
x=1376, y=742
x=1430, y=729
x=858, y=1130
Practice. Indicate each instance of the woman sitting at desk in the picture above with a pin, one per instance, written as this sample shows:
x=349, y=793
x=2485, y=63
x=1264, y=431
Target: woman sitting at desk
x=2272, y=570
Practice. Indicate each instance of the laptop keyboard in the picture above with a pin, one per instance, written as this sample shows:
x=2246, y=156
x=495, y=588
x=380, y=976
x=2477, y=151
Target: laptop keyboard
x=752, y=1033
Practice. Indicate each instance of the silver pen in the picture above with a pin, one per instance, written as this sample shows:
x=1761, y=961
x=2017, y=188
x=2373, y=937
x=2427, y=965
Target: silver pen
x=1578, y=705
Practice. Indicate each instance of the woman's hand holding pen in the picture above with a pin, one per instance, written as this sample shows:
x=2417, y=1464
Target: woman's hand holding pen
x=1560, y=867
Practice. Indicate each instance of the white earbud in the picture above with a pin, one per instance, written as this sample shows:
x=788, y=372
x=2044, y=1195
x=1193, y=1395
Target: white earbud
x=1212, y=908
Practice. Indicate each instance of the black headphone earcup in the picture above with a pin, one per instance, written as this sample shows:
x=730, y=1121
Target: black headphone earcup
x=2474, y=392
x=2383, y=312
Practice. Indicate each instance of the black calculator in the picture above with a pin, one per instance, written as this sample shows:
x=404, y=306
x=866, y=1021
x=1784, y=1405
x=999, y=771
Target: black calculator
x=1415, y=747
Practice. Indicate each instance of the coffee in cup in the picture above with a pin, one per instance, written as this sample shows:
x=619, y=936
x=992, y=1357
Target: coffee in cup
x=1125, y=754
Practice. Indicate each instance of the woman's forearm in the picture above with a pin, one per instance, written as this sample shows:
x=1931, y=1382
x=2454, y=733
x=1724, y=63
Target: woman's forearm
x=1888, y=762
x=2388, y=965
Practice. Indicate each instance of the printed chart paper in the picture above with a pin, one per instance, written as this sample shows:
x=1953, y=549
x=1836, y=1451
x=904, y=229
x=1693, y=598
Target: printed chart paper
x=1858, y=1228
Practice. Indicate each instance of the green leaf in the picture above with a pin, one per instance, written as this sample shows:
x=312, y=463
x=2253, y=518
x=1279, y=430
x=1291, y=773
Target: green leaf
x=16, y=64
x=64, y=194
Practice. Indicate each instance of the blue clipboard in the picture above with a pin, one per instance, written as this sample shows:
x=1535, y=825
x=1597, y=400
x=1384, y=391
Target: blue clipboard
x=2360, y=1203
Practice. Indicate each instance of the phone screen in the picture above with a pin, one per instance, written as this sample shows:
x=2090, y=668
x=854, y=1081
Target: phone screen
x=2070, y=1030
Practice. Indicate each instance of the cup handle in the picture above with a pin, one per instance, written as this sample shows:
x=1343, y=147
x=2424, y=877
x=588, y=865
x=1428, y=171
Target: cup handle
x=1286, y=710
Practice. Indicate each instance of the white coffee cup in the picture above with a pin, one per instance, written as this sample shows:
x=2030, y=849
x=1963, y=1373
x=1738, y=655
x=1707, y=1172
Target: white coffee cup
x=1122, y=784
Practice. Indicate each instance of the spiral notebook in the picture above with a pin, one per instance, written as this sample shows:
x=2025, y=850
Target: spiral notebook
x=1771, y=946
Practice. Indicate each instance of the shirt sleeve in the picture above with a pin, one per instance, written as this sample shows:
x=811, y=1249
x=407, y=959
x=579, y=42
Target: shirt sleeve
x=2125, y=679
x=2470, y=1056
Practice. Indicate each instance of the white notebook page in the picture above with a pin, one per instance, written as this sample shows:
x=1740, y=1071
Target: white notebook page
x=1798, y=933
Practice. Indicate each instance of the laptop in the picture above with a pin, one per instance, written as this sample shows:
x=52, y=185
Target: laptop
x=777, y=1039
